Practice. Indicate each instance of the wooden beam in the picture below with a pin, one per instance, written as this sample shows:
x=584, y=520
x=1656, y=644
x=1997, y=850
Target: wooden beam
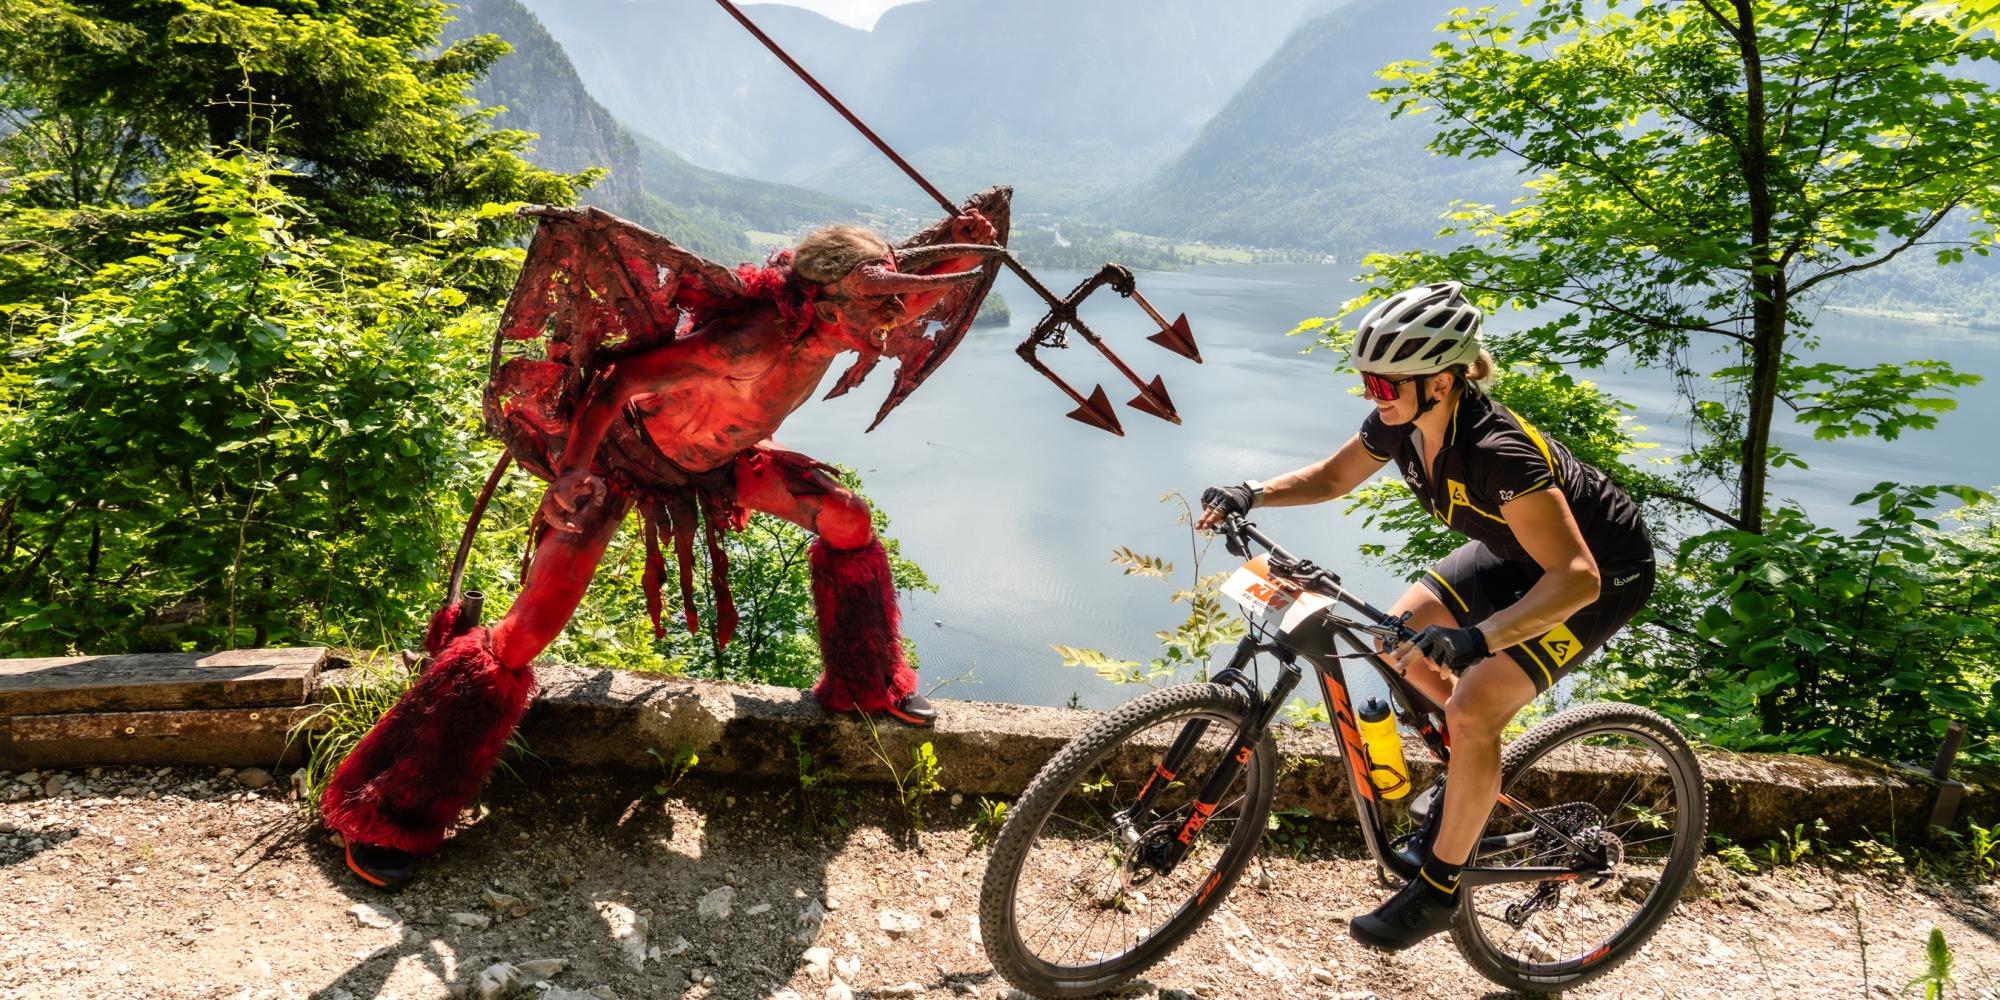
x=158, y=681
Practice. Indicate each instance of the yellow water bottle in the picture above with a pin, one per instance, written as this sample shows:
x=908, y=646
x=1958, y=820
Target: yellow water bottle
x=1386, y=766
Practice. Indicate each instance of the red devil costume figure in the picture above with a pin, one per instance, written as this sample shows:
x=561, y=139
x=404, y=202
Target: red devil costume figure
x=663, y=378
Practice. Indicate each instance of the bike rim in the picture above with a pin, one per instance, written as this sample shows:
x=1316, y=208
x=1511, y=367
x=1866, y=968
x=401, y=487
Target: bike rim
x=1552, y=930
x=1077, y=914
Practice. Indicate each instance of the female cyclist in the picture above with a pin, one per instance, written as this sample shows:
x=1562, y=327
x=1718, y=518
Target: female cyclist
x=1558, y=559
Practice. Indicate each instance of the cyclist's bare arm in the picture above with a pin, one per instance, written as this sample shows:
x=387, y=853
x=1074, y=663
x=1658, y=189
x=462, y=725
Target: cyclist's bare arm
x=1543, y=524
x=1329, y=478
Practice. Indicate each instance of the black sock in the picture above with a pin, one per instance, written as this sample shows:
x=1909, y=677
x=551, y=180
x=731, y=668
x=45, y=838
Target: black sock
x=1440, y=880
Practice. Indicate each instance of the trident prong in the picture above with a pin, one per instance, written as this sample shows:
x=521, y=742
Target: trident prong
x=1062, y=317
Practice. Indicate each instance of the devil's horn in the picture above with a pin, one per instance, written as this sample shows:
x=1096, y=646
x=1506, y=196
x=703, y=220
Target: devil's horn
x=879, y=280
x=916, y=257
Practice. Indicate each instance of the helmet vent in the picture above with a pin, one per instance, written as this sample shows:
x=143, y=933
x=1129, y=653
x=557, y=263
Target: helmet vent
x=1409, y=348
x=1444, y=345
x=1438, y=320
x=1464, y=321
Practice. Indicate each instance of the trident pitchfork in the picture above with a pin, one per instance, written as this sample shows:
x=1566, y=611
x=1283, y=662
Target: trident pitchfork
x=1053, y=330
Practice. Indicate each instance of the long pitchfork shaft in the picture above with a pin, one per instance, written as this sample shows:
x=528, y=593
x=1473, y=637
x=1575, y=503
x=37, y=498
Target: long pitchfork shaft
x=861, y=126
x=827, y=95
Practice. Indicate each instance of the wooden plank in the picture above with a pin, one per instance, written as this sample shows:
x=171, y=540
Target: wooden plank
x=231, y=736
x=158, y=681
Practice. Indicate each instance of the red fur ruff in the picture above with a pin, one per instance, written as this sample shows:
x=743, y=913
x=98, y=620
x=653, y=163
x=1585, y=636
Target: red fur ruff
x=424, y=762
x=445, y=626
x=856, y=601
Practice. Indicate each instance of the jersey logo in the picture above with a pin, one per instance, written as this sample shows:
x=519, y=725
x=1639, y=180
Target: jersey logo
x=1506, y=495
x=1622, y=581
x=1458, y=492
x=1562, y=644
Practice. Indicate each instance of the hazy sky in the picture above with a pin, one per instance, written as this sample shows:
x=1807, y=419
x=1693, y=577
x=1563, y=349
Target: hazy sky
x=859, y=13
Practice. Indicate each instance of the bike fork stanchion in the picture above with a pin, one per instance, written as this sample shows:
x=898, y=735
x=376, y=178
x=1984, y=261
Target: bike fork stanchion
x=1224, y=775
x=1140, y=813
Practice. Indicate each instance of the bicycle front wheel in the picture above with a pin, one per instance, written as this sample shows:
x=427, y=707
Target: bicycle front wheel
x=1616, y=781
x=1070, y=905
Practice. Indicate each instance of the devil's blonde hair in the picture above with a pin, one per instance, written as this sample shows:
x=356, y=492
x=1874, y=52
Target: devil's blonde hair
x=827, y=255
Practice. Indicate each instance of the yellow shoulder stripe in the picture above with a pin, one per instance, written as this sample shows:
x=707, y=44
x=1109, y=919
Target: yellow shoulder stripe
x=1536, y=436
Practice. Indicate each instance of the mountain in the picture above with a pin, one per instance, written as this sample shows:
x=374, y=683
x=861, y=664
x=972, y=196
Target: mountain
x=1065, y=99
x=704, y=210
x=1302, y=157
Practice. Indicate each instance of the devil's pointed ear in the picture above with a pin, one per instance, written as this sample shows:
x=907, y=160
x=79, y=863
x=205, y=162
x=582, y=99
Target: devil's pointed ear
x=825, y=312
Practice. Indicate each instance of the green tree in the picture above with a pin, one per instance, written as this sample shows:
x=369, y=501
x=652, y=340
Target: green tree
x=1700, y=174
x=356, y=97
x=235, y=434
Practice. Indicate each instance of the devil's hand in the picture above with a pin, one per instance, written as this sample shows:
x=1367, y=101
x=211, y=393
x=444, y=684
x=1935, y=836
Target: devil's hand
x=972, y=227
x=568, y=494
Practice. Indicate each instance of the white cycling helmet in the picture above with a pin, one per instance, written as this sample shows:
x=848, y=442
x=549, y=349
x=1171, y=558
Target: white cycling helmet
x=1418, y=331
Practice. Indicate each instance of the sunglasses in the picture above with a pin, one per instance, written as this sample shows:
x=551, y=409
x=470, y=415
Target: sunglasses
x=1383, y=387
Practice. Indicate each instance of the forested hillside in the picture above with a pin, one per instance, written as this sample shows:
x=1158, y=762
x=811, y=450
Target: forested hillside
x=540, y=92
x=1302, y=157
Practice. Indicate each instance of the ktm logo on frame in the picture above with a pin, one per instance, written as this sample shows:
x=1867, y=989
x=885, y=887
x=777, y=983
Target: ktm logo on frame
x=1562, y=644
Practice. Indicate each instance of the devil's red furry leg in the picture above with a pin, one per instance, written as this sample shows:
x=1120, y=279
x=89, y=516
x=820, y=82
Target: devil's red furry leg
x=856, y=600
x=407, y=781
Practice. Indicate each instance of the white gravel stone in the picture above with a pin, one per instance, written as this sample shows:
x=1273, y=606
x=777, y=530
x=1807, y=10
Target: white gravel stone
x=896, y=923
x=810, y=918
x=476, y=921
x=715, y=905
x=628, y=928
x=819, y=964
x=374, y=915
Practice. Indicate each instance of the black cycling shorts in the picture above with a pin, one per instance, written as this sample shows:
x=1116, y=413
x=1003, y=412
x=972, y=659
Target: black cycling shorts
x=1474, y=582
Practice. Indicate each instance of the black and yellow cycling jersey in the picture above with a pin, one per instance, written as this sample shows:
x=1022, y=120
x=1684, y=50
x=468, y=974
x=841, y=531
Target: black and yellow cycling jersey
x=1491, y=456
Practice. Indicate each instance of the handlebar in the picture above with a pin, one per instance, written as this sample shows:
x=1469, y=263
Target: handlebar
x=1238, y=532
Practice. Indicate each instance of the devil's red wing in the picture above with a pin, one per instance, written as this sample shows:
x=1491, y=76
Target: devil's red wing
x=922, y=344
x=594, y=287
x=594, y=283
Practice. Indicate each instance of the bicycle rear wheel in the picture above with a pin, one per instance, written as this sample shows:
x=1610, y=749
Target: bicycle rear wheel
x=1614, y=777
x=1069, y=907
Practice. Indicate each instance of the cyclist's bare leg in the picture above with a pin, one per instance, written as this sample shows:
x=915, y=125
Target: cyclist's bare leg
x=1487, y=698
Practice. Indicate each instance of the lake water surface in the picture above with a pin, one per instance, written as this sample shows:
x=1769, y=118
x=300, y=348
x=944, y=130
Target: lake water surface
x=1013, y=509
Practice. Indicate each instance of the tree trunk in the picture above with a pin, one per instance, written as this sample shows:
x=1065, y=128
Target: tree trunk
x=1767, y=283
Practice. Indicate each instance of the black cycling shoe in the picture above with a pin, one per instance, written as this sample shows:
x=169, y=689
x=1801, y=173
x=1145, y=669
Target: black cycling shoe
x=913, y=710
x=382, y=867
x=1409, y=916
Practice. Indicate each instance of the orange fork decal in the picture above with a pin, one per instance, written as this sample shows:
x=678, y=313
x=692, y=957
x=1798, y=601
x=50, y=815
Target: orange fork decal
x=1196, y=820
x=1158, y=772
x=1243, y=756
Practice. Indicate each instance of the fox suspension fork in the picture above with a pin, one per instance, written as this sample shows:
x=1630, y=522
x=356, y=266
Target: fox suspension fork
x=1166, y=854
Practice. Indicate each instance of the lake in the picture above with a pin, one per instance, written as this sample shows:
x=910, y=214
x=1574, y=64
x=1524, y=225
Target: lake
x=1013, y=509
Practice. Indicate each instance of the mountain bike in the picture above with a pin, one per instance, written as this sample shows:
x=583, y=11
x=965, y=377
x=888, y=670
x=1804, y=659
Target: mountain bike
x=1138, y=829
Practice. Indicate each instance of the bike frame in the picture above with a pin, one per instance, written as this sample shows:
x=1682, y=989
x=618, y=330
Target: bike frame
x=1411, y=706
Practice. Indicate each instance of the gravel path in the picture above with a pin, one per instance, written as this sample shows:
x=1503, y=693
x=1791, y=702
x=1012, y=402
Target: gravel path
x=124, y=883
